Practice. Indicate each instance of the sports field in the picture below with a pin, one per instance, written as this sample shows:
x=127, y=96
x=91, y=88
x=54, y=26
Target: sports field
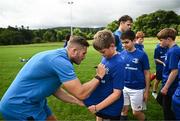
x=10, y=65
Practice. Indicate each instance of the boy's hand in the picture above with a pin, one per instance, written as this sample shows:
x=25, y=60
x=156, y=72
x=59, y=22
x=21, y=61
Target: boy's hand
x=92, y=108
x=101, y=70
x=146, y=96
x=164, y=90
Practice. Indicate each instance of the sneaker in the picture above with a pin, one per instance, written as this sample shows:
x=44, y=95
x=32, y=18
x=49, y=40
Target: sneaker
x=154, y=95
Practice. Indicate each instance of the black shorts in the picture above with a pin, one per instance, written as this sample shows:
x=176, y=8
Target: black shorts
x=113, y=118
x=159, y=75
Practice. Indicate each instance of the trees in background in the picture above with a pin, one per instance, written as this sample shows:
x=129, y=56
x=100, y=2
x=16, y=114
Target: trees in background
x=14, y=36
x=150, y=24
x=112, y=26
x=22, y=35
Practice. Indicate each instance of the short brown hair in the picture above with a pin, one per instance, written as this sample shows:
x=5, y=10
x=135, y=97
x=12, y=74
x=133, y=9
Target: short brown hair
x=78, y=40
x=140, y=34
x=103, y=39
x=167, y=32
x=124, y=19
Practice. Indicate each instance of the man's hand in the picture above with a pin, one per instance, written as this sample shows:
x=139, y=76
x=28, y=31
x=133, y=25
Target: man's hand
x=80, y=103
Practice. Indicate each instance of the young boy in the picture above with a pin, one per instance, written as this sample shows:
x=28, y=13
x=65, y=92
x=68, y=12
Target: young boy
x=176, y=96
x=107, y=99
x=159, y=57
x=137, y=74
x=125, y=23
x=170, y=72
x=139, y=40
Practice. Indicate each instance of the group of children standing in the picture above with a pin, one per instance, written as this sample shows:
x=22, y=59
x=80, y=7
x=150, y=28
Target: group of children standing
x=127, y=80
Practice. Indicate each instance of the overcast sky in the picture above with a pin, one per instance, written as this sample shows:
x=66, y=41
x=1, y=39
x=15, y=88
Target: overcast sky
x=85, y=13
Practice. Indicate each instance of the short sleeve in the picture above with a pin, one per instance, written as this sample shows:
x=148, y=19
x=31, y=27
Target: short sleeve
x=64, y=69
x=145, y=62
x=173, y=60
x=156, y=54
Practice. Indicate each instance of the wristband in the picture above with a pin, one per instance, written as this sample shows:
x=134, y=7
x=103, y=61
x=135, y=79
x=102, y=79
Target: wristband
x=98, y=77
x=95, y=108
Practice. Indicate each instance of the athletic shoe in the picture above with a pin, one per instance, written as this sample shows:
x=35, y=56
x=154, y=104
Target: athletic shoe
x=154, y=95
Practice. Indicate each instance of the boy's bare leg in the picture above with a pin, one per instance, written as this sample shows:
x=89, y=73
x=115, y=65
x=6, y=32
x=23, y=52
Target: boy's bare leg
x=51, y=118
x=124, y=113
x=155, y=86
x=139, y=115
x=99, y=118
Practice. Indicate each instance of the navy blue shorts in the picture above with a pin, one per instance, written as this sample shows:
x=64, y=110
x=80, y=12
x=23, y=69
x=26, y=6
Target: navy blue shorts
x=159, y=75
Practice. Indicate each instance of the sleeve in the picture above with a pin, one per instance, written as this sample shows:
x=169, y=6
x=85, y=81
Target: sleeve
x=145, y=62
x=64, y=69
x=48, y=110
x=173, y=60
x=156, y=54
x=118, y=76
x=116, y=39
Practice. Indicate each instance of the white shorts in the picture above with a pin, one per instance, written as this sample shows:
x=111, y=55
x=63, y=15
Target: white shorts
x=135, y=98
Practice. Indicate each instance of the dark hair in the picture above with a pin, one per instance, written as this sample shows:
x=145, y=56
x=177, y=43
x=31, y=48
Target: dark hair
x=129, y=34
x=67, y=37
x=78, y=40
x=167, y=32
x=124, y=19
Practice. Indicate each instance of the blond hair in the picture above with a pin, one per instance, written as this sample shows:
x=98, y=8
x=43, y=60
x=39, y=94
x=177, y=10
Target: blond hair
x=103, y=39
x=140, y=34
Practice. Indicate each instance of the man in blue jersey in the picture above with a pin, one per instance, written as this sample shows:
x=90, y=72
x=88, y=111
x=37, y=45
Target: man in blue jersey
x=43, y=76
x=106, y=101
x=159, y=58
x=176, y=96
x=137, y=75
x=170, y=72
x=125, y=23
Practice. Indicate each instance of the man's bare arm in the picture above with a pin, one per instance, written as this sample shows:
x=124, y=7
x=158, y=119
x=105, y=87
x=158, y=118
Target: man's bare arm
x=82, y=91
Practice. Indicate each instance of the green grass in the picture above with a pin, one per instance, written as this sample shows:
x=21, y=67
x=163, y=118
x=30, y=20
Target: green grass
x=10, y=65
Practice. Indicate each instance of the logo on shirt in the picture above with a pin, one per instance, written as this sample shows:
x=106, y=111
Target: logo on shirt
x=135, y=60
x=162, y=56
x=103, y=81
x=139, y=107
x=130, y=68
x=127, y=64
x=165, y=57
x=107, y=70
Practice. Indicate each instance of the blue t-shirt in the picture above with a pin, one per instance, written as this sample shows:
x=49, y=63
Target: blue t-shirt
x=171, y=61
x=178, y=54
x=139, y=46
x=117, y=35
x=114, y=79
x=40, y=77
x=176, y=96
x=135, y=64
x=159, y=53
